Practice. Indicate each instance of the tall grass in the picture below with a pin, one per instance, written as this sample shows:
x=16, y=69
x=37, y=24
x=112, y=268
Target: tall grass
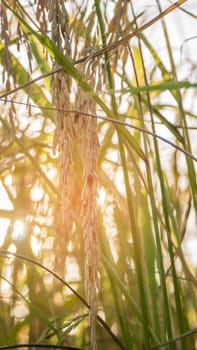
x=135, y=88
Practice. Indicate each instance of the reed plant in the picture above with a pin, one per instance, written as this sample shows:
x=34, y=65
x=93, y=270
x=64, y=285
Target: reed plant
x=98, y=175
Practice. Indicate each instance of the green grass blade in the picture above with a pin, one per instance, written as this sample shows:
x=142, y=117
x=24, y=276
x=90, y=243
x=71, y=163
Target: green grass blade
x=32, y=159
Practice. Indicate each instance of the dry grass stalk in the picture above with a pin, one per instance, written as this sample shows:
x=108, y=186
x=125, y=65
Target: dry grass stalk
x=89, y=147
x=76, y=133
x=63, y=138
x=42, y=6
x=89, y=216
x=5, y=38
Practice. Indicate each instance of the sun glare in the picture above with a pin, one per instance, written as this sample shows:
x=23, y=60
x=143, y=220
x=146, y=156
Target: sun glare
x=101, y=196
x=36, y=193
x=18, y=231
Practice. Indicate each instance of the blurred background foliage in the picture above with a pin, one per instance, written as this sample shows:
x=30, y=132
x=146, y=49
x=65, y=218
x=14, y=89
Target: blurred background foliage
x=147, y=195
